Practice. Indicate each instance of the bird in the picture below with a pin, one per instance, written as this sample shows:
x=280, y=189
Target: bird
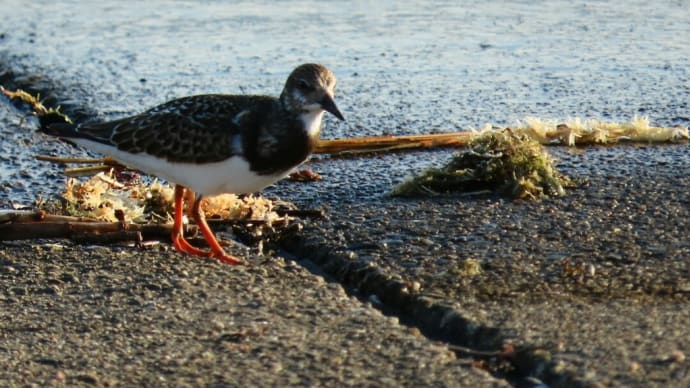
x=213, y=144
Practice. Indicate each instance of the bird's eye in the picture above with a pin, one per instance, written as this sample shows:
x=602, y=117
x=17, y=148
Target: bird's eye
x=303, y=85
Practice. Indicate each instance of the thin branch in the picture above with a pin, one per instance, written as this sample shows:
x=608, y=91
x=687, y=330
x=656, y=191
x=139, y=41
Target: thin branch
x=36, y=230
x=391, y=143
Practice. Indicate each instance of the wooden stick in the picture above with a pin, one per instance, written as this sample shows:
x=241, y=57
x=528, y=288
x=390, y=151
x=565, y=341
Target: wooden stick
x=27, y=225
x=389, y=142
x=35, y=230
x=100, y=164
x=58, y=159
x=349, y=146
x=88, y=170
x=353, y=145
x=17, y=216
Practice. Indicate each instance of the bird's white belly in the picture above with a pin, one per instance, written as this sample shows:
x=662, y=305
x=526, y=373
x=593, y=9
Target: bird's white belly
x=229, y=176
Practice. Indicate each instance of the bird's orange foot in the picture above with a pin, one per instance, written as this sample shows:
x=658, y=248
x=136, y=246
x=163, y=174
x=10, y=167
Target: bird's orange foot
x=217, y=251
x=184, y=246
x=225, y=258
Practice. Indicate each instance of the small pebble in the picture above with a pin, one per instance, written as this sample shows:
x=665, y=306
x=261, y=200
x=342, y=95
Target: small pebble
x=676, y=356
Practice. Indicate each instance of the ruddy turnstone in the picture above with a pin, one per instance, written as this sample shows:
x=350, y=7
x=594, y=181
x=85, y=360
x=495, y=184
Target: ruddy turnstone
x=214, y=144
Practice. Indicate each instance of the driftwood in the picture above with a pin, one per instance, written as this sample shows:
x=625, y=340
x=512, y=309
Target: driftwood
x=98, y=164
x=392, y=143
x=27, y=225
x=355, y=145
x=337, y=147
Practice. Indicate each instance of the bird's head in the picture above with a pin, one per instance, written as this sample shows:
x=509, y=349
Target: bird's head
x=310, y=88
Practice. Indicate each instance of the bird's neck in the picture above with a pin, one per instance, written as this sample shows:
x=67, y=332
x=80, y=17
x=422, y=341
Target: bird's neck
x=310, y=119
x=312, y=122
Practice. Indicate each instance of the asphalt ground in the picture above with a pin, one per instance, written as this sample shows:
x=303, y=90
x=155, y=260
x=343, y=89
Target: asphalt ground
x=598, y=278
x=589, y=289
x=95, y=316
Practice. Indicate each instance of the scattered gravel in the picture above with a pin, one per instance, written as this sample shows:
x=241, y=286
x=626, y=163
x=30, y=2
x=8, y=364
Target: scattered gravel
x=598, y=278
x=118, y=316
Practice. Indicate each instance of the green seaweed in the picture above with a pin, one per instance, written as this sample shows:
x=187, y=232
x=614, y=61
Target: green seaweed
x=499, y=161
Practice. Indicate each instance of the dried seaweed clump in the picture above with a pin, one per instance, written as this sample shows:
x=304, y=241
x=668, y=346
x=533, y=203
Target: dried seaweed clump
x=576, y=131
x=257, y=220
x=102, y=194
x=45, y=115
x=499, y=161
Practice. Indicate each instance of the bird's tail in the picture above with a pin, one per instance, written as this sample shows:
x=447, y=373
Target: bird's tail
x=65, y=130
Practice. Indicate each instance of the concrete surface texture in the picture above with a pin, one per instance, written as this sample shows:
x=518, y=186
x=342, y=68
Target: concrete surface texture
x=402, y=67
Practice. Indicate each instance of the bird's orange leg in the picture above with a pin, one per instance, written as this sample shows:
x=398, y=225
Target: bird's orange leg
x=177, y=236
x=216, y=250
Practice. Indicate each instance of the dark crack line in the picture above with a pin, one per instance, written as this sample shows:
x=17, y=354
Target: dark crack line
x=524, y=366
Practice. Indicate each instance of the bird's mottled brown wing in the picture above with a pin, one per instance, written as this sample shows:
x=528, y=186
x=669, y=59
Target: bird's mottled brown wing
x=197, y=129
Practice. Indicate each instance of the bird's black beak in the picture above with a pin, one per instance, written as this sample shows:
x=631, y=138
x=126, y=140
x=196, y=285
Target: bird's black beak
x=328, y=105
